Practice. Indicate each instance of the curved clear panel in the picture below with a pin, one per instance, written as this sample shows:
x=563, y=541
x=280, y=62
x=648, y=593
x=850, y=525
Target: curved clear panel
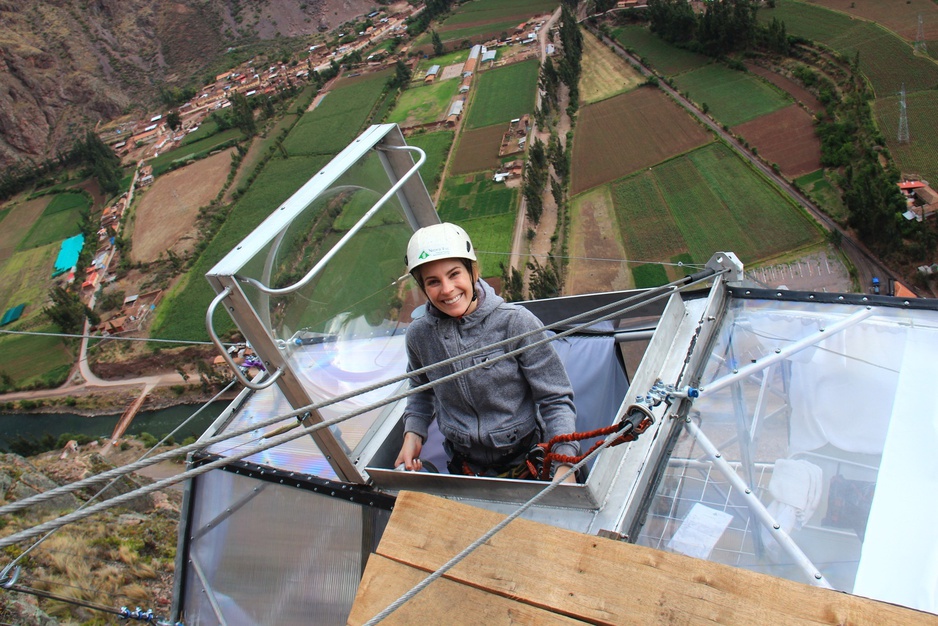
x=825, y=439
x=333, y=255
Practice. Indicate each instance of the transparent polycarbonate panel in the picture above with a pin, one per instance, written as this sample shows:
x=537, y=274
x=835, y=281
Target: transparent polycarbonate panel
x=305, y=570
x=343, y=330
x=300, y=455
x=837, y=441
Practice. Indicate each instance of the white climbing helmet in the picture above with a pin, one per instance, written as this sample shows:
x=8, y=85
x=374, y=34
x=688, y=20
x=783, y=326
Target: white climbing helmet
x=440, y=241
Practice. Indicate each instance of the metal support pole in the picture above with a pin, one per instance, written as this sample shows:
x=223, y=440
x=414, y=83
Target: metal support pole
x=783, y=353
x=755, y=505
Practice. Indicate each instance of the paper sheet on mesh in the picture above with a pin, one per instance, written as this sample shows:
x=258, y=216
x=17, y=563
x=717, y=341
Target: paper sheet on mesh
x=700, y=531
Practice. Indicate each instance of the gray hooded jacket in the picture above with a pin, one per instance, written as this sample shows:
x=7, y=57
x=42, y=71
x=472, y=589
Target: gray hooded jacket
x=486, y=414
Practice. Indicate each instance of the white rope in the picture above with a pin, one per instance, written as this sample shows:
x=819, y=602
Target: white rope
x=286, y=437
x=108, y=337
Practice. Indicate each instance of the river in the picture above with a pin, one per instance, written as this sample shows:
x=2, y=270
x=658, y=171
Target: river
x=158, y=423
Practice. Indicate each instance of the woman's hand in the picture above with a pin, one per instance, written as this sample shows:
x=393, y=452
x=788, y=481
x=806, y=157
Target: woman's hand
x=561, y=470
x=410, y=452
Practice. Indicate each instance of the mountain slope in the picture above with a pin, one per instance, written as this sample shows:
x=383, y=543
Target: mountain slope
x=64, y=66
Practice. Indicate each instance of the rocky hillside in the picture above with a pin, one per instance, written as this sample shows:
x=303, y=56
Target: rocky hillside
x=65, y=65
x=122, y=557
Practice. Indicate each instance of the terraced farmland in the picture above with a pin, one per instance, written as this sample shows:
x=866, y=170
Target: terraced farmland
x=885, y=58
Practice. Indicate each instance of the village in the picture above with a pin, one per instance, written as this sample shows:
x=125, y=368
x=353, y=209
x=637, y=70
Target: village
x=142, y=140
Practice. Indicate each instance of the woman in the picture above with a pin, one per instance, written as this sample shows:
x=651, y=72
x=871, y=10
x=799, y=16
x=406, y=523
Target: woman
x=492, y=417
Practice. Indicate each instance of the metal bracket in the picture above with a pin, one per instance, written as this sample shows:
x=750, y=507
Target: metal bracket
x=729, y=262
x=224, y=353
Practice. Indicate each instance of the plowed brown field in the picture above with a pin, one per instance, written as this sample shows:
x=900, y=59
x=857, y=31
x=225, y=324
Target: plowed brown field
x=478, y=149
x=787, y=138
x=166, y=215
x=626, y=133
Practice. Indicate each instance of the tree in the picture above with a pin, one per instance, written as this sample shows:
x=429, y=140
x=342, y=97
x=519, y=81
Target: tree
x=173, y=120
x=68, y=312
x=437, y=44
x=242, y=113
x=401, y=75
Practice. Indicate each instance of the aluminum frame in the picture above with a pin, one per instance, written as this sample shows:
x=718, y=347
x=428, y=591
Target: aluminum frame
x=418, y=211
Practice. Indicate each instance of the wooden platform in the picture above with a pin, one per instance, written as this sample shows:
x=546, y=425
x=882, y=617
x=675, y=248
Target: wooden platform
x=530, y=573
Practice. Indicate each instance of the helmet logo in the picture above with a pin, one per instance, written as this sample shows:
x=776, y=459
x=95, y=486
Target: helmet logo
x=423, y=255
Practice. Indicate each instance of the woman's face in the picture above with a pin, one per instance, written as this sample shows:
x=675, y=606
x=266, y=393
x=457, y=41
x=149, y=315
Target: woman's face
x=448, y=285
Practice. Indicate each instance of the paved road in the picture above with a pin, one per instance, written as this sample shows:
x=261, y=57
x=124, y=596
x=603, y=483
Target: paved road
x=867, y=264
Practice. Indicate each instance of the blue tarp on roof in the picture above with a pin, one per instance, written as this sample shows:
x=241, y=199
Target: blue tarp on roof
x=12, y=314
x=68, y=255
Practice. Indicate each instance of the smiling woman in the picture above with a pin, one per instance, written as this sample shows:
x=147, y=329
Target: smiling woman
x=499, y=412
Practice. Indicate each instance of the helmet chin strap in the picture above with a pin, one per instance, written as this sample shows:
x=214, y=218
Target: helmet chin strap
x=475, y=296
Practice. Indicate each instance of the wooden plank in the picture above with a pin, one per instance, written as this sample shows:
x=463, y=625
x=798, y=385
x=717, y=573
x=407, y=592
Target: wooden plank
x=384, y=581
x=610, y=582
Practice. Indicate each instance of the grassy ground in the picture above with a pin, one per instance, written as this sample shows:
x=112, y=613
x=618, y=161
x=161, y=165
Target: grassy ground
x=59, y=221
x=699, y=190
x=424, y=104
x=27, y=279
x=820, y=189
x=661, y=55
x=195, y=150
x=17, y=221
x=605, y=73
x=491, y=237
x=37, y=358
x=456, y=56
x=732, y=97
x=503, y=94
x=437, y=146
x=487, y=211
x=338, y=119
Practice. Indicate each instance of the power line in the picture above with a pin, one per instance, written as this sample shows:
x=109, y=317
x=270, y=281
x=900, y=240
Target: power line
x=108, y=337
x=594, y=258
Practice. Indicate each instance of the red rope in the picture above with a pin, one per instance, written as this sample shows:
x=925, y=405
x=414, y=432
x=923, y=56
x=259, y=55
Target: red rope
x=551, y=457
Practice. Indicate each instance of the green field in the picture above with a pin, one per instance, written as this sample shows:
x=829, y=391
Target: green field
x=662, y=56
x=338, y=119
x=503, y=94
x=206, y=129
x=26, y=279
x=820, y=189
x=195, y=150
x=491, y=17
x=473, y=196
x=918, y=157
x=733, y=97
x=885, y=58
x=437, y=146
x=712, y=201
x=277, y=182
x=424, y=104
x=60, y=220
x=37, y=358
x=491, y=237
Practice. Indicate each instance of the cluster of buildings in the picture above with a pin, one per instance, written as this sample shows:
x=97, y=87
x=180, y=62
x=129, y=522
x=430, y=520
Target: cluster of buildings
x=154, y=134
x=920, y=199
